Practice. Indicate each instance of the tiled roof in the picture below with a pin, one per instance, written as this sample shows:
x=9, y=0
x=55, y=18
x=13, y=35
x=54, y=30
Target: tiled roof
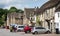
x=29, y=9
x=48, y=5
x=58, y=8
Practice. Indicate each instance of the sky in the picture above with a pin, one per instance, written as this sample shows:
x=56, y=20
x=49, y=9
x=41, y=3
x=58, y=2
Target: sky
x=21, y=4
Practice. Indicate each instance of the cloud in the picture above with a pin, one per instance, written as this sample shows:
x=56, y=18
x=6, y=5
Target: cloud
x=26, y=6
x=5, y=1
x=19, y=6
x=15, y=5
x=20, y=3
x=2, y=5
x=35, y=0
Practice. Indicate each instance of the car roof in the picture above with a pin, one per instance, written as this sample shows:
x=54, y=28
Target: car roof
x=20, y=25
x=39, y=26
x=13, y=24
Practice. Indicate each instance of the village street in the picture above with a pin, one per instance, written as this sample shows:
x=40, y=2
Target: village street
x=5, y=32
x=33, y=16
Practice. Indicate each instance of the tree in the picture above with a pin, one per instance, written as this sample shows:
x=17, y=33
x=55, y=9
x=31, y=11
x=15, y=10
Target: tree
x=20, y=11
x=5, y=14
x=1, y=12
x=1, y=22
x=1, y=16
x=12, y=9
x=38, y=21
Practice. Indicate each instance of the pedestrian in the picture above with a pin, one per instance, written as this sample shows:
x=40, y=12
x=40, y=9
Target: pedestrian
x=14, y=28
x=11, y=29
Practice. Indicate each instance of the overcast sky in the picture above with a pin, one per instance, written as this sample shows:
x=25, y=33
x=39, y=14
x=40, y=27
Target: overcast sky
x=21, y=4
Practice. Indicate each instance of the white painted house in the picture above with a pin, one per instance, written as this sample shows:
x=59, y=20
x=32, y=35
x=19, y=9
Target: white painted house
x=57, y=18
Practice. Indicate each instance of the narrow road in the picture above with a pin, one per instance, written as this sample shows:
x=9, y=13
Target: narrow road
x=5, y=32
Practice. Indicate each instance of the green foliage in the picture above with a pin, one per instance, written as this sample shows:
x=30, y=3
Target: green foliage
x=1, y=22
x=1, y=12
x=13, y=9
x=38, y=21
x=20, y=11
x=4, y=12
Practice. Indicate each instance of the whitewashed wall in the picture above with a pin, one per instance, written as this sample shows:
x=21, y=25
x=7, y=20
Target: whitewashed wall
x=57, y=20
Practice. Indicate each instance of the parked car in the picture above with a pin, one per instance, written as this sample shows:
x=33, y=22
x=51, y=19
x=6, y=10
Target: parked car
x=20, y=27
x=37, y=30
x=27, y=29
x=13, y=27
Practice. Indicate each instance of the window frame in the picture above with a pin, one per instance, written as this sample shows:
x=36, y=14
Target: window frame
x=58, y=14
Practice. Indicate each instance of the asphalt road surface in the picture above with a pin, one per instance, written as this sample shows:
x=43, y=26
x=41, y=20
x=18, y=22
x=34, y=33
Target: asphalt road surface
x=5, y=32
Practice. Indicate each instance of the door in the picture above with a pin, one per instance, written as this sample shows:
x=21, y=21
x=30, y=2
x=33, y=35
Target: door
x=42, y=30
x=38, y=29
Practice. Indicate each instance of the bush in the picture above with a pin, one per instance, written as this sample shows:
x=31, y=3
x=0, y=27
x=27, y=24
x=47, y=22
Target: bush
x=1, y=22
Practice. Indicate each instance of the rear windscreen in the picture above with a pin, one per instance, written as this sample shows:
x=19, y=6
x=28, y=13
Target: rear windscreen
x=21, y=27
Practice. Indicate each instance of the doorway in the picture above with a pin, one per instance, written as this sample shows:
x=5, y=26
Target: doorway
x=48, y=21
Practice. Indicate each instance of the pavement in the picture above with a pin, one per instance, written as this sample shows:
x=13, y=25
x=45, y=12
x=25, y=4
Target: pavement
x=6, y=32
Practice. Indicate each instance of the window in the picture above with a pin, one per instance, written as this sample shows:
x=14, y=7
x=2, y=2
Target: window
x=40, y=28
x=46, y=13
x=37, y=27
x=58, y=14
x=56, y=25
x=21, y=27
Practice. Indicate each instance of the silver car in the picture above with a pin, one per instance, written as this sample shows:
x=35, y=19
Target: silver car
x=37, y=30
x=20, y=27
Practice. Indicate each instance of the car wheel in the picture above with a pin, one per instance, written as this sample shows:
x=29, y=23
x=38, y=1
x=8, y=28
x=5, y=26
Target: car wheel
x=35, y=32
x=28, y=31
x=25, y=32
x=10, y=30
x=48, y=32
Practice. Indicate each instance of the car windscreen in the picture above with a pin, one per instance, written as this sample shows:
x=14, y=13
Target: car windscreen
x=20, y=26
x=40, y=28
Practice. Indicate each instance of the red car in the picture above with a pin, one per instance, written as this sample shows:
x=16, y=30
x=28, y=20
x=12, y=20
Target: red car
x=27, y=29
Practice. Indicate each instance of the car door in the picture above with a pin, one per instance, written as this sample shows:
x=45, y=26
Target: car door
x=38, y=29
x=43, y=30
